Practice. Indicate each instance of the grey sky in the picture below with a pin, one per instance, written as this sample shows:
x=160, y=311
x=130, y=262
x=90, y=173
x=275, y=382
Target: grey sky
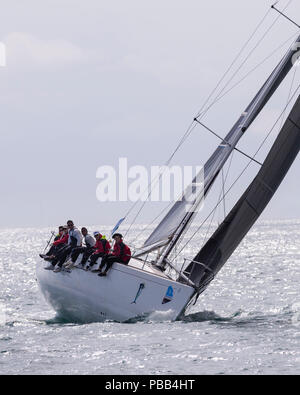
x=87, y=82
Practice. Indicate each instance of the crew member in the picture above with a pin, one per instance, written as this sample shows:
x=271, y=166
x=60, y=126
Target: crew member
x=86, y=251
x=121, y=254
x=102, y=248
x=60, y=240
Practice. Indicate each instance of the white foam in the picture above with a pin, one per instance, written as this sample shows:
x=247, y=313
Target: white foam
x=2, y=314
x=296, y=315
x=161, y=316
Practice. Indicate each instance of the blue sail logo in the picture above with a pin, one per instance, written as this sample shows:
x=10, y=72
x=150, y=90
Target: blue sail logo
x=169, y=295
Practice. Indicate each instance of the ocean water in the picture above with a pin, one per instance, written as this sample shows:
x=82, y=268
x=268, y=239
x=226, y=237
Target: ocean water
x=246, y=322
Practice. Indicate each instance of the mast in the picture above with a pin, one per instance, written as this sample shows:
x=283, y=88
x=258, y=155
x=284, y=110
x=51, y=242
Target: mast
x=250, y=206
x=215, y=163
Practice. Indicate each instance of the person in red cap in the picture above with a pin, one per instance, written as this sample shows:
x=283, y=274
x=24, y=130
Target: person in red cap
x=102, y=248
x=121, y=254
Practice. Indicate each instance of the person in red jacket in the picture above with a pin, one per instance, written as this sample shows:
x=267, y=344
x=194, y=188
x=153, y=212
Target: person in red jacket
x=121, y=254
x=102, y=248
x=60, y=241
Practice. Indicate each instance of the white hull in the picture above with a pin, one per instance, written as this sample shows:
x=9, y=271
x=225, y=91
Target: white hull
x=84, y=296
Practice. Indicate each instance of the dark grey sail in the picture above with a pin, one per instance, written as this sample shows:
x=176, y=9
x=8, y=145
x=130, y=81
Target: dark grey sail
x=238, y=222
x=177, y=220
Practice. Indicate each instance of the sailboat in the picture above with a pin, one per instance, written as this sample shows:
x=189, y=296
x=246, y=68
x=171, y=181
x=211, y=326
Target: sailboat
x=144, y=286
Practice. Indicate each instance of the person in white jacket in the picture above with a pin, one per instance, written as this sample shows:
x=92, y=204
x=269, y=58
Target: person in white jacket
x=86, y=251
x=74, y=241
x=75, y=238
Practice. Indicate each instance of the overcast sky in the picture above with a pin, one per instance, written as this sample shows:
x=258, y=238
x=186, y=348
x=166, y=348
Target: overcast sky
x=87, y=82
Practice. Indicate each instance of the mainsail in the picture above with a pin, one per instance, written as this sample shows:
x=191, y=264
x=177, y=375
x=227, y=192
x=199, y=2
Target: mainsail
x=238, y=222
x=172, y=226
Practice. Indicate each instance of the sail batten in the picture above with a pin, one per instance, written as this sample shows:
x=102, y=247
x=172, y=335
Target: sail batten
x=178, y=219
x=250, y=206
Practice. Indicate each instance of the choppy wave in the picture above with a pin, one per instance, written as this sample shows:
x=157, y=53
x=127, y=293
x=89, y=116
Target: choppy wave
x=246, y=322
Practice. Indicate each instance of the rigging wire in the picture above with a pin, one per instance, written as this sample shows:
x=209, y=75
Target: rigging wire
x=251, y=158
x=289, y=95
x=240, y=175
x=182, y=140
x=158, y=177
x=285, y=16
x=252, y=70
x=219, y=197
x=223, y=192
x=245, y=60
x=212, y=218
x=190, y=128
x=226, y=142
x=233, y=62
x=193, y=124
x=224, y=94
